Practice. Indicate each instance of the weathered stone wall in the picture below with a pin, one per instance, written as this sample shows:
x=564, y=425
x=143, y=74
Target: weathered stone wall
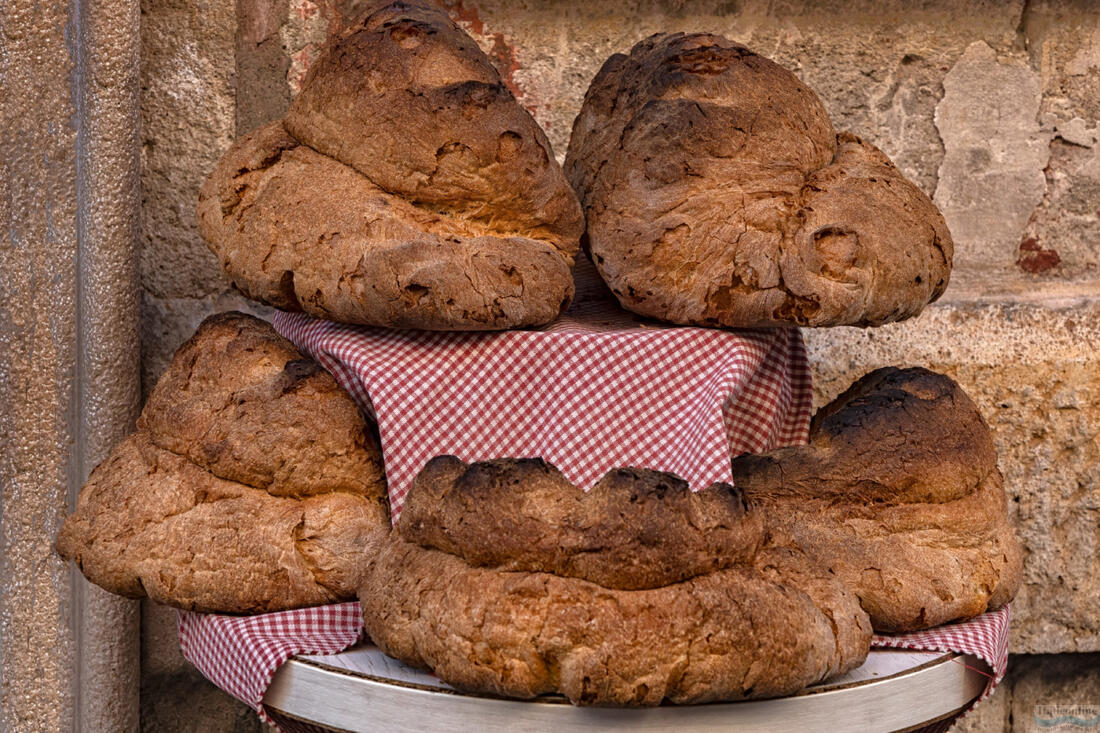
x=69, y=380
x=991, y=107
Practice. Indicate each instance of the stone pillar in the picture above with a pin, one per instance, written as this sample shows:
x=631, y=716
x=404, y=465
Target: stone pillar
x=69, y=358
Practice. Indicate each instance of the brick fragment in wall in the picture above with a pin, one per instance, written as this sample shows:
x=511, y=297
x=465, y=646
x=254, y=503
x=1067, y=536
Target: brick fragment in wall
x=187, y=121
x=1033, y=372
x=991, y=178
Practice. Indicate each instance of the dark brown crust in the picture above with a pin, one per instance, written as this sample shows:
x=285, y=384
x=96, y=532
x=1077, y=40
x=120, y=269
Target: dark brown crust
x=899, y=495
x=717, y=193
x=405, y=97
x=407, y=188
x=251, y=485
x=301, y=231
x=484, y=616
x=240, y=401
x=635, y=529
x=149, y=522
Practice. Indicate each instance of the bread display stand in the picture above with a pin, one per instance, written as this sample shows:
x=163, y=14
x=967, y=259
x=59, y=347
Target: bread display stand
x=363, y=690
x=937, y=676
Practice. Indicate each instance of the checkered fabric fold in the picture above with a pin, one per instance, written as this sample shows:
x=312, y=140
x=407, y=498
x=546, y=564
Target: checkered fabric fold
x=594, y=392
x=241, y=653
x=985, y=636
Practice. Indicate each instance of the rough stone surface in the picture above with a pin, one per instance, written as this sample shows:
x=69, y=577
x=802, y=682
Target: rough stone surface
x=160, y=646
x=1032, y=372
x=991, y=715
x=1064, y=45
x=991, y=177
x=187, y=703
x=68, y=350
x=262, y=94
x=174, y=695
x=187, y=121
x=1043, y=687
x=108, y=368
x=37, y=313
x=1037, y=689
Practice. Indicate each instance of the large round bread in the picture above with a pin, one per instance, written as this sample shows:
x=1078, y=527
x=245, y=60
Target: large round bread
x=897, y=494
x=252, y=484
x=503, y=577
x=717, y=193
x=405, y=188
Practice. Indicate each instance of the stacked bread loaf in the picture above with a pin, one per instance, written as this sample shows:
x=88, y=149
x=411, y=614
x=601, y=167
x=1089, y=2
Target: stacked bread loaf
x=407, y=188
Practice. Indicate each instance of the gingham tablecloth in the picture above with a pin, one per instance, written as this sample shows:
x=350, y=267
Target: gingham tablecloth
x=595, y=391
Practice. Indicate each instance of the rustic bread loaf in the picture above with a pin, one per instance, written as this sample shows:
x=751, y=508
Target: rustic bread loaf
x=252, y=484
x=635, y=529
x=405, y=188
x=717, y=193
x=897, y=494
x=503, y=577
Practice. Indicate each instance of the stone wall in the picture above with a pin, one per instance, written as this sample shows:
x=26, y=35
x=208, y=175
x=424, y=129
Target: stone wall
x=69, y=378
x=991, y=107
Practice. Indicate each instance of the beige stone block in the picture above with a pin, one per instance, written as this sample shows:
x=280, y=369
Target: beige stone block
x=991, y=177
x=1034, y=373
x=1064, y=44
x=1048, y=688
x=187, y=121
x=187, y=703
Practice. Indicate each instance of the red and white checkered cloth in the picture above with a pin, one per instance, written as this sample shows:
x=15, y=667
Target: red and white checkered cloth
x=594, y=392
x=985, y=637
x=241, y=653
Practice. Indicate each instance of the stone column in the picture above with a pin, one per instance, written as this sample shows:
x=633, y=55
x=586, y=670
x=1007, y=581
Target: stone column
x=69, y=358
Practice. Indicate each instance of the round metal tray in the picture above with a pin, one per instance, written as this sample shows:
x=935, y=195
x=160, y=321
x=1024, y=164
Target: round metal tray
x=363, y=690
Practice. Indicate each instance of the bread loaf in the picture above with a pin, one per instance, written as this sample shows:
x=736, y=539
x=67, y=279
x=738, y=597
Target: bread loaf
x=405, y=188
x=898, y=494
x=717, y=193
x=252, y=484
x=504, y=578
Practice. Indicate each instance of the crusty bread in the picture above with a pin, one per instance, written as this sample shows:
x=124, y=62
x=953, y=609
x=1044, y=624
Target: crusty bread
x=252, y=484
x=405, y=188
x=717, y=193
x=503, y=577
x=899, y=495
x=635, y=529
